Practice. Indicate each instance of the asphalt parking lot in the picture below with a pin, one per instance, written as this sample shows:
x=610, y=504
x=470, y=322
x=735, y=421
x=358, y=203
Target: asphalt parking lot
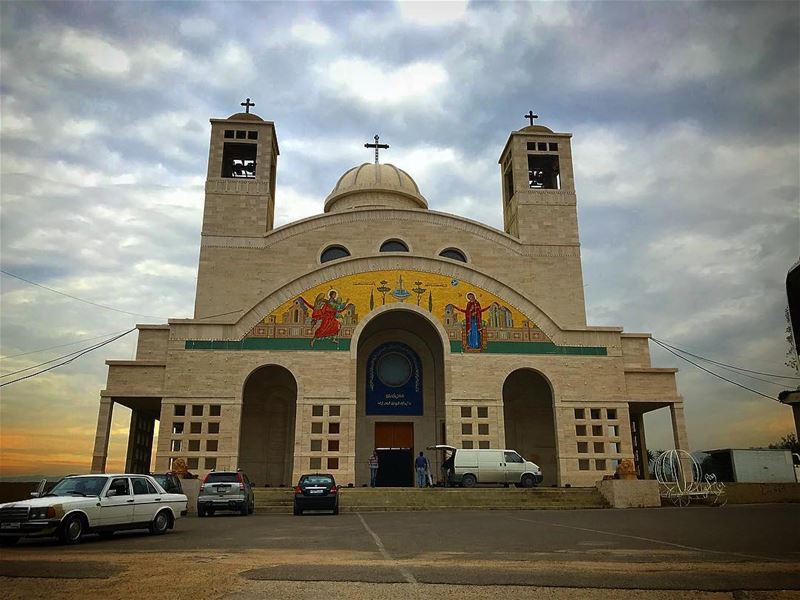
x=755, y=547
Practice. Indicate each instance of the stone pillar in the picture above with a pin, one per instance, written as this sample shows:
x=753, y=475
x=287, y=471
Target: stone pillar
x=639, y=445
x=140, y=441
x=678, y=427
x=102, y=434
x=681, y=441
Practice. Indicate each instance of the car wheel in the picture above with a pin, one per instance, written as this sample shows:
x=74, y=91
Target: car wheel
x=160, y=523
x=336, y=509
x=245, y=510
x=201, y=512
x=252, y=508
x=468, y=481
x=527, y=481
x=8, y=540
x=72, y=529
x=297, y=511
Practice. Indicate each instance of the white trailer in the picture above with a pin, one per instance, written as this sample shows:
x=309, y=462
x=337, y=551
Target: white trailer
x=755, y=466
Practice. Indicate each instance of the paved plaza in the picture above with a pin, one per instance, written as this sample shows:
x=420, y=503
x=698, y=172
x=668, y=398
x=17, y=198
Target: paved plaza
x=691, y=552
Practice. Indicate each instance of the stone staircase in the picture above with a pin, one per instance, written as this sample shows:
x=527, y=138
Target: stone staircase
x=279, y=500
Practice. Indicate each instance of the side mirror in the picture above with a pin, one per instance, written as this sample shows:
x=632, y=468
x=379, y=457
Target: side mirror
x=111, y=492
x=35, y=494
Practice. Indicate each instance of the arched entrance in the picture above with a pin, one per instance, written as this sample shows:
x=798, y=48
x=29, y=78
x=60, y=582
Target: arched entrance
x=529, y=421
x=400, y=395
x=266, y=440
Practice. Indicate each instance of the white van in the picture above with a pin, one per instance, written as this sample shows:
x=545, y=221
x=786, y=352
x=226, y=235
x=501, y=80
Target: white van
x=471, y=467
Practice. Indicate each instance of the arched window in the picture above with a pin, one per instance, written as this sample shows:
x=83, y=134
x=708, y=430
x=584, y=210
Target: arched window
x=454, y=254
x=333, y=253
x=394, y=246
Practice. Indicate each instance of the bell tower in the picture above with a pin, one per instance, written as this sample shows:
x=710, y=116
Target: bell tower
x=540, y=209
x=538, y=186
x=240, y=184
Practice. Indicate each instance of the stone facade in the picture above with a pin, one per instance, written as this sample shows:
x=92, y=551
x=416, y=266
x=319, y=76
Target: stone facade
x=272, y=374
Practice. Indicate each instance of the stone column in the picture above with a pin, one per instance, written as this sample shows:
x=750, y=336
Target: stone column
x=140, y=441
x=681, y=441
x=678, y=427
x=640, y=445
x=102, y=434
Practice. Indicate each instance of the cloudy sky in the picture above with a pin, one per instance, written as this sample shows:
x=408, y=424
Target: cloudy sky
x=686, y=149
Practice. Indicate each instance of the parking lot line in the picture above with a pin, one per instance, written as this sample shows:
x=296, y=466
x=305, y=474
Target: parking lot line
x=651, y=540
x=385, y=553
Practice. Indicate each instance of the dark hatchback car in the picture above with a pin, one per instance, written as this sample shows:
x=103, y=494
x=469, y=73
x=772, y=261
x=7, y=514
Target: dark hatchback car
x=316, y=492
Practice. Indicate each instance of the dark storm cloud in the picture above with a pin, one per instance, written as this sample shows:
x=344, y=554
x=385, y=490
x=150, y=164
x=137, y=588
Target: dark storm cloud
x=685, y=122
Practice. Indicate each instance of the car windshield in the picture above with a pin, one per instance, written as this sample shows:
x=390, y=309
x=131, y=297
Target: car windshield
x=79, y=486
x=222, y=478
x=316, y=480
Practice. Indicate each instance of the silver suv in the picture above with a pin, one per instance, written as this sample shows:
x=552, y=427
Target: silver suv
x=225, y=490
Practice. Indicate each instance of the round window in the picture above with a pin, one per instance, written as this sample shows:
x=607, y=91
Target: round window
x=393, y=369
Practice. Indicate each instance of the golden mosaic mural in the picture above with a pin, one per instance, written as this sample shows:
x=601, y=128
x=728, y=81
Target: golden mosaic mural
x=330, y=311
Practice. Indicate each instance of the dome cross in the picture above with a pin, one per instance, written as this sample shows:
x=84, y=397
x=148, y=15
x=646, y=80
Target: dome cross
x=530, y=116
x=247, y=104
x=376, y=145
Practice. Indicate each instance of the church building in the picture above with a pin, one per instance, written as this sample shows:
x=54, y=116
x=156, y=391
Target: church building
x=380, y=324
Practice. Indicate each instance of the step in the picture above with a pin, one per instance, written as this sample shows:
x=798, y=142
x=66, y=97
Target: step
x=280, y=500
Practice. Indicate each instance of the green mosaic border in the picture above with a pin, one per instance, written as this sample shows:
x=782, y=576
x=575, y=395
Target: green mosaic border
x=344, y=344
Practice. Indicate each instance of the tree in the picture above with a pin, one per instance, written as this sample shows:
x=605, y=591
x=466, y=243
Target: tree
x=787, y=442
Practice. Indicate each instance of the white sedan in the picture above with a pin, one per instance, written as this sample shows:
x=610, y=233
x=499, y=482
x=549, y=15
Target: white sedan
x=81, y=504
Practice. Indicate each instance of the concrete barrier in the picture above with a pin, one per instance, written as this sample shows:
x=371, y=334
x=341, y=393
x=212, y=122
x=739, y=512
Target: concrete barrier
x=630, y=493
x=758, y=493
x=191, y=487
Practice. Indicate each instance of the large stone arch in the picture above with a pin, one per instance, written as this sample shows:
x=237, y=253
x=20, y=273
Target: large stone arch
x=529, y=420
x=413, y=328
x=267, y=427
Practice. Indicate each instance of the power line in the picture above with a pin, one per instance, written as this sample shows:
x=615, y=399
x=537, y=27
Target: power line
x=97, y=337
x=712, y=372
x=721, y=364
x=779, y=384
x=82, y=352
x=47, y=362
x=80, y=299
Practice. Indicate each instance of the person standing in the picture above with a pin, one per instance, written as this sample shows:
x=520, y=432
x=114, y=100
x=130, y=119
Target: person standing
x=447, y=467
x=421, y=465
x=373, y=468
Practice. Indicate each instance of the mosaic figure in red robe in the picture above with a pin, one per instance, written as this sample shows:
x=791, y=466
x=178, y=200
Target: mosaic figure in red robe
x=324, y=314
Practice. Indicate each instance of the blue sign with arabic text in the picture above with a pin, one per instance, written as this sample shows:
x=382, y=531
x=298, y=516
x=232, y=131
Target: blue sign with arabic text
x=394, y=381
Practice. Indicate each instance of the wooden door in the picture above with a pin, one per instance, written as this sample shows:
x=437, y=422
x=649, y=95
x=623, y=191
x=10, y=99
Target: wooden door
x=394, y=435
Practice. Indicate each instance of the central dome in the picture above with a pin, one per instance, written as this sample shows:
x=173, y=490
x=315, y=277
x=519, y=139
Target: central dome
x=370, y=185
